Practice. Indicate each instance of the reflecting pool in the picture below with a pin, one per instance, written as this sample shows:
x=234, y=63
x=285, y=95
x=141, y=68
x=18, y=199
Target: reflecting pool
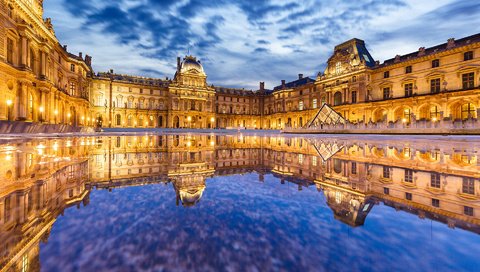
x=239, y=202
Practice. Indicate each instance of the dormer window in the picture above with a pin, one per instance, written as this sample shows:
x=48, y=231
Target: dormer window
x=338, y=68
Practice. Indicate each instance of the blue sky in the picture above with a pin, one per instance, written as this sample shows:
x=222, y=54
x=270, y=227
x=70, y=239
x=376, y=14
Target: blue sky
x=242, y=42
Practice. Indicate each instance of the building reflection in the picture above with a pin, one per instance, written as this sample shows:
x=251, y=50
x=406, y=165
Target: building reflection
x=438, y=180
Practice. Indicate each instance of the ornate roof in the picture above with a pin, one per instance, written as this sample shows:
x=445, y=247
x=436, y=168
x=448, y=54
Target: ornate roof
x=191, y=64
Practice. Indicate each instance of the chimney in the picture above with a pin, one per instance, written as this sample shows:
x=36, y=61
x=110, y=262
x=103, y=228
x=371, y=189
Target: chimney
x=421, y=51
x=80, y=54
x=65, y=47
x=262, y=86
x=300, y=76
x=450, y=43
x=178, y=64
x=283, y=83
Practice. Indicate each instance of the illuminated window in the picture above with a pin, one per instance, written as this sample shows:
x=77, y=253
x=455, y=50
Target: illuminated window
x=72, y=67
x=300, y=158
x=314, y=104
x=468, y=110
x=338, y=68
x=24, y=263
x=314, y=161
x=72, y=88
x=434, y=112
x=406, y=115
x=300, y=105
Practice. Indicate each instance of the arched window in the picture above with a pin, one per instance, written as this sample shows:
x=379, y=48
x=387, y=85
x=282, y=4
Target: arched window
x=434, y=112
x=160, y=121
x=129, y=120
x=337, y=98
x=337, y=166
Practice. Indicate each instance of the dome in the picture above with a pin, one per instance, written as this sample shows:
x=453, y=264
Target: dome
x=191, y=64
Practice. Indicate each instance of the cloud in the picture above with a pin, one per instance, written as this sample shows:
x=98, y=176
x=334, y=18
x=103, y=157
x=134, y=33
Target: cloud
x=240, y=41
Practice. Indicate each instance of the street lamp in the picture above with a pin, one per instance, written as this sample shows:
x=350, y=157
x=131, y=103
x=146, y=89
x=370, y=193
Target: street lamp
x=189, y=119
x=41, y=113
x=9, y=106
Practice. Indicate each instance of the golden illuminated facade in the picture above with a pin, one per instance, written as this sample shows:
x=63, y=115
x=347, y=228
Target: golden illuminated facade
x=39, y=79
x=42, y=83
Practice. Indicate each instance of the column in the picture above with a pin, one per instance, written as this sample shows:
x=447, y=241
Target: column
x=43, y=65
x=20, y=104
x=23, y=51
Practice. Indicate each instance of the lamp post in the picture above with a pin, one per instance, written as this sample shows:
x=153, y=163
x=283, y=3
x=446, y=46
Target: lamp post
x=68, y=116
x=41, y=113
x=9, y=106
x=212, y=121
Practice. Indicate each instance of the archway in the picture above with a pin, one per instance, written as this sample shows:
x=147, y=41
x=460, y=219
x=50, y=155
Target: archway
x=160, y=121
x=337, y=98
x=176, y=122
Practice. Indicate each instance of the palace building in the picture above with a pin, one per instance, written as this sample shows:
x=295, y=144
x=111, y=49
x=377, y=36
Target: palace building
x=41, y=82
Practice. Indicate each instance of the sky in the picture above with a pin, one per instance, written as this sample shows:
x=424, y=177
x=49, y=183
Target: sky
x=243, y=42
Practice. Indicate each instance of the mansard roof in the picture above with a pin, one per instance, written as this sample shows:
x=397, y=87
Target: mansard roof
x=135, y=79
x=233, y=91
x=294, y=84
x=357, y=47
x=450, y=44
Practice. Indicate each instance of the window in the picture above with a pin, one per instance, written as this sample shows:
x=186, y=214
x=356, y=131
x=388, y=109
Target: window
x=386, y=172
x=354, y=79
x=408, y=69
x=435, y=180
x=435, y=63
x=435, y=202
x=386, y=190
x=314, y=104
x=9, y=50
x=468, y=111
x=354, y=168
x=408, y=89
x=118, y=119
x=72, y=67
x=434, y=112
x=435, y=85
x=151, y=91
x=468, y=210
x=354, y=96
x=408, y=175
x=408, y=196
x=337, y=98
x=468, y=80
x=141, y=91
x=300, y=158
x=338, y=68
x=468, y=186
x=300, y=105
x=468, y=55
x=386, y=93
x=301, y=92
x=72, y=88
x=386, y=74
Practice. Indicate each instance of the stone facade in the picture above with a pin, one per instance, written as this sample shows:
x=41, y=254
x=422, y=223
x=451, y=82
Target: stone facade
x=42, y=82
